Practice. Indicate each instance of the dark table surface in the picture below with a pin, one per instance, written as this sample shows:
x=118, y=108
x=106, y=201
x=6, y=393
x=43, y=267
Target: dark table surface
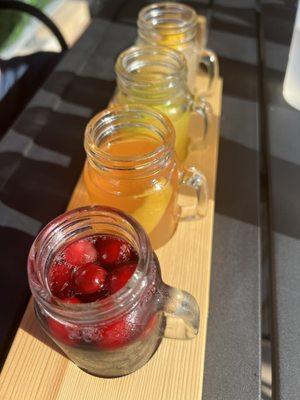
x=282, y=140
x=42, y=156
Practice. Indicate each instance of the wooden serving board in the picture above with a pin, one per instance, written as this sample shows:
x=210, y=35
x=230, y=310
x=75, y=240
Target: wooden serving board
x=35, y=368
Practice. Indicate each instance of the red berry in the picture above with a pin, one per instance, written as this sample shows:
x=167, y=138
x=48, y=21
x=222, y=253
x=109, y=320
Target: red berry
x=60, y=280
x=116, y=334
x=80, y=252
x=65, y=333
x=120, y=276
x=113, y=250
x=89, y=279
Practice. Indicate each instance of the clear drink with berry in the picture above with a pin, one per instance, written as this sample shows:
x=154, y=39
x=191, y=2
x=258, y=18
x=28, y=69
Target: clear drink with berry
x=99, y=295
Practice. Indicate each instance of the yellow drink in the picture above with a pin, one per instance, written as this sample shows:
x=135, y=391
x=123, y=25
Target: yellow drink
x=157, y=77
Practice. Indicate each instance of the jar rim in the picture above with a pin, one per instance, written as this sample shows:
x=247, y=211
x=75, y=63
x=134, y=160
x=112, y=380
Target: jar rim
x=107, y=122
x=108, y=308
x=148, y=19
x=136, y=57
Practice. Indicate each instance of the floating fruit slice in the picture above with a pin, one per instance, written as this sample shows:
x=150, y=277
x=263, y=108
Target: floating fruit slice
x=181, y=126
x=153, y=208
x=180, y=121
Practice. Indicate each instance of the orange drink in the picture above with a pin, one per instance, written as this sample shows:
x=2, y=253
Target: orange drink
x=131, y=165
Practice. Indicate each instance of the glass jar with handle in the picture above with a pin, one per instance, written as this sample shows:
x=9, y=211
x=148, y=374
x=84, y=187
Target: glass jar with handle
x=156, y=76
x=116, y=335
x=178, y=26
x=132, y=165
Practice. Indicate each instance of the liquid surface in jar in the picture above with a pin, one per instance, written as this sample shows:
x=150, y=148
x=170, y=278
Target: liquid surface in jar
x=150, y=199
x=169, y=35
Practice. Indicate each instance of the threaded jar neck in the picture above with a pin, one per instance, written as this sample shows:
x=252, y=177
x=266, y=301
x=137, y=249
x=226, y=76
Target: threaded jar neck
x=167, y=23
x=122, y=127
x=75, y=225
x=151, y=74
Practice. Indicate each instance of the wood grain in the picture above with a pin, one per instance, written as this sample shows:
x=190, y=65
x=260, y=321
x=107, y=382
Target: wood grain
x=35, y=369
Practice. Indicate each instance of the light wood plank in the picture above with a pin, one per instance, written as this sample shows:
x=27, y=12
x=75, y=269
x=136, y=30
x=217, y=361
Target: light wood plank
x=36, y=370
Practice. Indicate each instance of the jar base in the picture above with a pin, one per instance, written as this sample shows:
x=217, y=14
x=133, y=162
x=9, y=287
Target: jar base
x=124, y=374
x=114, y=363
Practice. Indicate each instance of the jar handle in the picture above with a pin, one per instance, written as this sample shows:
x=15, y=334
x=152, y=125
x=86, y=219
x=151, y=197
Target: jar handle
x=203, y=109
x=182, y=314
x=193, y=178
x=209, y=60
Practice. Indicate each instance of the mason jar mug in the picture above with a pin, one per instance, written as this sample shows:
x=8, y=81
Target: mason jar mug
x=132, y=165
x=118, y=334
x=156, y=76
x=177, y=26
